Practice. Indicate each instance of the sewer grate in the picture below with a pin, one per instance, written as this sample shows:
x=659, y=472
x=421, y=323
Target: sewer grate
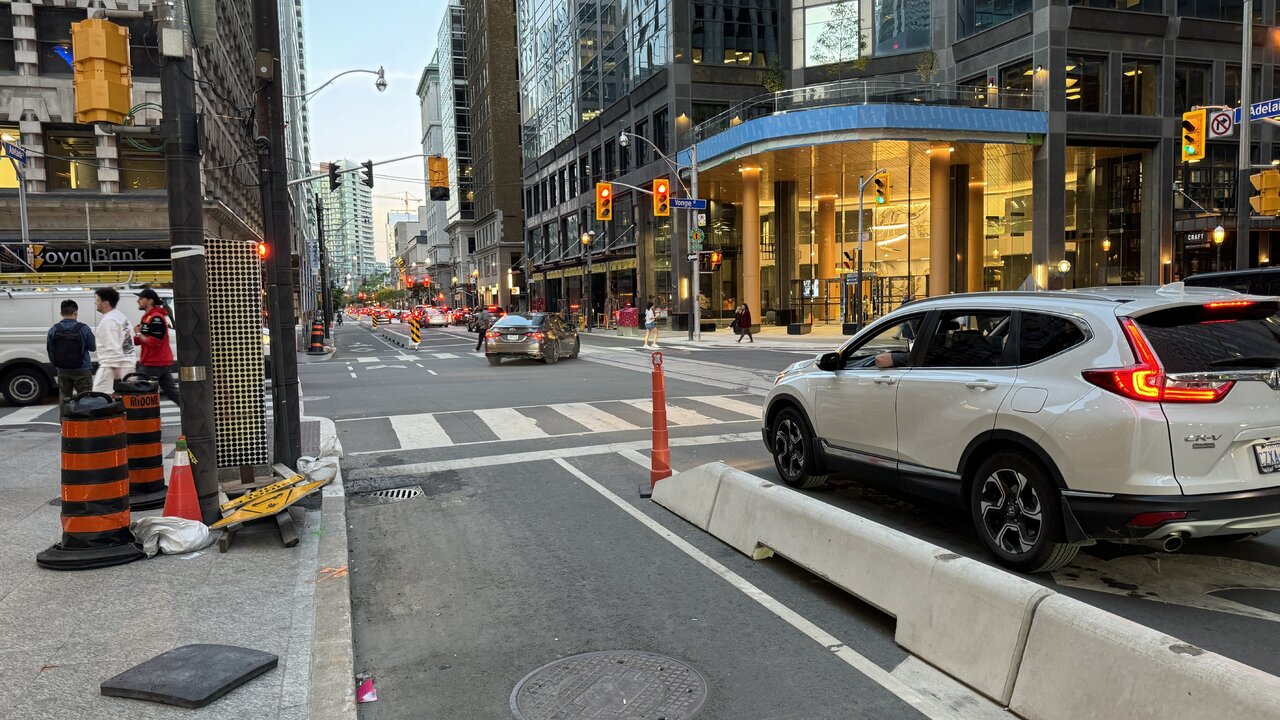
x=401, y=493
x=615, y=684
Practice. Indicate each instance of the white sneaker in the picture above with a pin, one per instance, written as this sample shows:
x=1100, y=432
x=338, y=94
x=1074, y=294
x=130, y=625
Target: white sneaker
x=645, y=346
x=653, y=347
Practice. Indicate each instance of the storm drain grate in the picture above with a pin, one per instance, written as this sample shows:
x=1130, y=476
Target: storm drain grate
x=612, y=684
x=402, y=493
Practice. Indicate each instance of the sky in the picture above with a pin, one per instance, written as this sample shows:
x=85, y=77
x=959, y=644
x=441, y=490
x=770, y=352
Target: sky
x=351, y=119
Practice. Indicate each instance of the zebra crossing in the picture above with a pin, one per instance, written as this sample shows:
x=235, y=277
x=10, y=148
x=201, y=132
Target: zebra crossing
x=170, y=415
x=421, y=431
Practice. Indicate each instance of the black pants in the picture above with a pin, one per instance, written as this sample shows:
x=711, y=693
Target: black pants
x=72, y=383
x=479, y=339
x=167, y=384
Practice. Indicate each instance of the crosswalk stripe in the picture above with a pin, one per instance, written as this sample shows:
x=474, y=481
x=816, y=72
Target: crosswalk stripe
x=419, y=431
x=675, y=415
x=367, y=359
x=727, y=403
x=592, y=417
x=508, y=424
x=29, y=414
x=443, y=356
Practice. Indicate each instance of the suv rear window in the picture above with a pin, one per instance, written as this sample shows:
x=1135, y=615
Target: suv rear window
x=1217, y=336
x=1042, y=336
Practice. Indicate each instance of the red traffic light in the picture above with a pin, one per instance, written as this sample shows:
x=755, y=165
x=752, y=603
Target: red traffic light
x=409, y=281
x=262, y=251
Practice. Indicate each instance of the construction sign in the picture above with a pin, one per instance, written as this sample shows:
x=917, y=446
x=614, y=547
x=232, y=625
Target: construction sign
x=266, y=501
x=415, y=331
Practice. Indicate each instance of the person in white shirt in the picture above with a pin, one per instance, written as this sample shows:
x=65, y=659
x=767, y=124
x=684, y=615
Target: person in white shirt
x=114, y=340
x=650, y=327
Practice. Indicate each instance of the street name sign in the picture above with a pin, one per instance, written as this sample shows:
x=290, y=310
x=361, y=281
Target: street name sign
x=688, y=204
x=1260, y=110
x=17, y=153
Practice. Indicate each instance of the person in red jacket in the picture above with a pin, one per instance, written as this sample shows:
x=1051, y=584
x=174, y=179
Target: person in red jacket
x=152, y=336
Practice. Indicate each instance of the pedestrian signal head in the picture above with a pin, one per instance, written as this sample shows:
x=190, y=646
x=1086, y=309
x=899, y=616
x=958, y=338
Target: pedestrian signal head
x=262, y=251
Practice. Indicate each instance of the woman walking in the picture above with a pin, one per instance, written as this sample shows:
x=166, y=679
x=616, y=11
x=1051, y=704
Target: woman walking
x=742, y=322
x=650, y=328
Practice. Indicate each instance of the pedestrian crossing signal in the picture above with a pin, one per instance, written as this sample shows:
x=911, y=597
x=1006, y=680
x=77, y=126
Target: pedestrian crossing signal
x=661, y=197
x=1193, y=130
x=438, y=178
x=262, y=251
x=604, y=201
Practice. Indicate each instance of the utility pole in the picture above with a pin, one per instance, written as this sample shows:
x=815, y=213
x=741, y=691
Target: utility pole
x=186, y=242
x=326, y=300
x=1243, y=208
x=695, y=311
x=287, y=444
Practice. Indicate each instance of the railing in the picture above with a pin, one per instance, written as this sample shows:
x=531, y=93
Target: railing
x=865, y=92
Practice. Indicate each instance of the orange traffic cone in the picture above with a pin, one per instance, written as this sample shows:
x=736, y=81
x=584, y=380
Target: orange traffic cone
x=182, y=501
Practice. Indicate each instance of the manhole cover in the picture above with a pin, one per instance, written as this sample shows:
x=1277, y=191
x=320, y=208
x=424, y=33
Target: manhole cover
x=402, y=493
x=615, y=684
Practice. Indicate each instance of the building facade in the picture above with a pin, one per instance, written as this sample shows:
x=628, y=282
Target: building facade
x=492, y=84
x=348, y=226
x=302, y=210
x=455, y=132
x=1028, y=144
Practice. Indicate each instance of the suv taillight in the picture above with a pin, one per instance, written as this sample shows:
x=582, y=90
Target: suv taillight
x=1146, y=379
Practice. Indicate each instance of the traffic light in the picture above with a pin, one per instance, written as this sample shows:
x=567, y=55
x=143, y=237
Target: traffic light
x=661, y=197
x=1267, y=201
x=367, y=176
x=715, y=257
x=882, y=189
x=438, y=178
x=1193, y=129
x=604, y=201
x=262, y=251
x=101, y=76
x=334, y=179
x=408, y=281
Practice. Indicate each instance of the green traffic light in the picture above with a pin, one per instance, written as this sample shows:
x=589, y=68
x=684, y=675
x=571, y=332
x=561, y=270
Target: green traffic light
x=1190, y=149
x=879, y=199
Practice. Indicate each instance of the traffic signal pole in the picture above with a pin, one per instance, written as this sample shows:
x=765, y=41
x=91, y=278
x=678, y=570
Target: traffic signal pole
x=1243, y=208
x=287, y=440
x=190, y=274
x=326, y=300
x=695, y=314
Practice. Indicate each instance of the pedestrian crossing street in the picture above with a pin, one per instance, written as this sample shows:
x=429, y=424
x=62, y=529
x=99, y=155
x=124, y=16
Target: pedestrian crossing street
x=170, y=415
x=420, y=431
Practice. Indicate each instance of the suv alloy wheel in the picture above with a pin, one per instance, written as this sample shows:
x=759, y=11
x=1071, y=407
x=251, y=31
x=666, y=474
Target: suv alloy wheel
x=793, y=451
x=1015, y=511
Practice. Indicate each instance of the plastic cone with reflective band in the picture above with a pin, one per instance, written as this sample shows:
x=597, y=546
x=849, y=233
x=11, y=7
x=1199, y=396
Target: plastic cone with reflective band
x=95, y=488
x=141, y=397
x=182, y=501
x=660, y=458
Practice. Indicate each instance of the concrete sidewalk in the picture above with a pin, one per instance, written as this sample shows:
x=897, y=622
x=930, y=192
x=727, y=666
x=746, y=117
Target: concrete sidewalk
x=65, y=632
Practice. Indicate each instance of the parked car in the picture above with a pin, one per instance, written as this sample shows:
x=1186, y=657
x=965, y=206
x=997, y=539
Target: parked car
x=1131, y=414
x=533, y=335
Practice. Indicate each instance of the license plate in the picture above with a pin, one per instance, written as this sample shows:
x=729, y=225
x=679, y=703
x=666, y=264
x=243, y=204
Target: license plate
x=1268, y=457
x=511, y=338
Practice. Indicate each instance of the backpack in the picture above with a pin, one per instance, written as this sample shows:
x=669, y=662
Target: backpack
x=67, y=347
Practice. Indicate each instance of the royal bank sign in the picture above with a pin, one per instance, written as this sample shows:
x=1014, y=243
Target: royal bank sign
x=63, y=258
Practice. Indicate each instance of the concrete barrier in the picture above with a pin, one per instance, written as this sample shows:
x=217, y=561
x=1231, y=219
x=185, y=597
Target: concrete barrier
x=946, y=605
x=1082, y=663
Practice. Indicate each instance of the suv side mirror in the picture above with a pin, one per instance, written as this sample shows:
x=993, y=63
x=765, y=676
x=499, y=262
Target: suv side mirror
x=830, y=362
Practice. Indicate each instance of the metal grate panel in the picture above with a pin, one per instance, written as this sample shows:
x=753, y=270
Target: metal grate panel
x=403, y=493
x=235, y=328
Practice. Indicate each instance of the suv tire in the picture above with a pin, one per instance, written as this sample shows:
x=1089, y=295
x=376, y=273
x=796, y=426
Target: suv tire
x=792, y=444
x=1014, y=505
x=495, y=359
x=24, y=386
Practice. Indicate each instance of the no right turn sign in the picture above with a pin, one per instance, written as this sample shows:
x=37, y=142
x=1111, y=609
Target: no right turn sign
x=1221, y=124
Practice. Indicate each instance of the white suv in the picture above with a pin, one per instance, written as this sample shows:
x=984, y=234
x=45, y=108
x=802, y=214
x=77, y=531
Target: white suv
x=1135, y=414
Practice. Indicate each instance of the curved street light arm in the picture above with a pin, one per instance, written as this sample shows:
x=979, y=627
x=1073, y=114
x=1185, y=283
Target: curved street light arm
x=381, y=83
x=675, y=167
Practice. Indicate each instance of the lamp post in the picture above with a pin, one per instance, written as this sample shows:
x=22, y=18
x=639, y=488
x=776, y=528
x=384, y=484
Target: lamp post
x=588, y=238
x=380, y=83
x=475, y=287
x=1219, y=235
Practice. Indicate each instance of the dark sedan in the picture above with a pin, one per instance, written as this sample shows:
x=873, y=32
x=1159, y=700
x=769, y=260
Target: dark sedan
x=533, y=335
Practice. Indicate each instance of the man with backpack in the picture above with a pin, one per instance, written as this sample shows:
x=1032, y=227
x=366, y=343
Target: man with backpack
x=115, y=342
x=152, y=335
x=69, y=344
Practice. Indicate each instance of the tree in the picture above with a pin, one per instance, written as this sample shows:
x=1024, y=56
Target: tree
x=841, y=39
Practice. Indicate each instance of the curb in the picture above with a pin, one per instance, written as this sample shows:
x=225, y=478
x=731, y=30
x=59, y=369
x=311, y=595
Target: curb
x=1044, y=655
x=333, y=694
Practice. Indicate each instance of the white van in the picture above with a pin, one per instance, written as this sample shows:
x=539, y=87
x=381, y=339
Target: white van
x=26, y=314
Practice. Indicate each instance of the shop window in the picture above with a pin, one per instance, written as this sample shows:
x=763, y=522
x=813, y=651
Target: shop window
x=1151, y=6
x=53, y=38
x=1086, y=87
x=140, y=169
x=974, y=16
x=1139, y=87
x=1190, y=86
x=901, y=26
x=6, y=39
x=832, y=34
x=70, y=160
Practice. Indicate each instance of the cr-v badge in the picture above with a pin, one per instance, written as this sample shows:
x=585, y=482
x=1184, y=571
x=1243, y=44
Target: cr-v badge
x=1202, y=442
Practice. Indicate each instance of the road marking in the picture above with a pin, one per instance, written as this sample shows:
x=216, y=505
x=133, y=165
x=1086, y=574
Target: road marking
x=508, y=424
x=443, y=356
x=730, y=404
x=367, y=359
x=383, y=367
x=24, y=415
x=528, y=457
x=349, y=367
x=418, y=365
x=353, y=374
x=590, y=416
x=928, y=706
x=675, y=415
x=433, y=372
x=419, y=431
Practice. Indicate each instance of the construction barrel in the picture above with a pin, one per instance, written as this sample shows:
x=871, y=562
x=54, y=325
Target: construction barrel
x=317, y=338
x=141, y=398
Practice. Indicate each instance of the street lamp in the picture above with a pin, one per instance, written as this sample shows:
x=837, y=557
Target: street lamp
x=691, y=191
x=380, y=83
x=588, y=238
x=1219, y=235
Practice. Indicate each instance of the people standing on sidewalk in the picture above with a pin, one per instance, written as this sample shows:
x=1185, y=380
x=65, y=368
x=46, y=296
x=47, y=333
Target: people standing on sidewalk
x=483, y=321
x=338, y=317
x=152, y=335
x=742, y=322
x=114, y=340
x=650, y=327
x=68, y=345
